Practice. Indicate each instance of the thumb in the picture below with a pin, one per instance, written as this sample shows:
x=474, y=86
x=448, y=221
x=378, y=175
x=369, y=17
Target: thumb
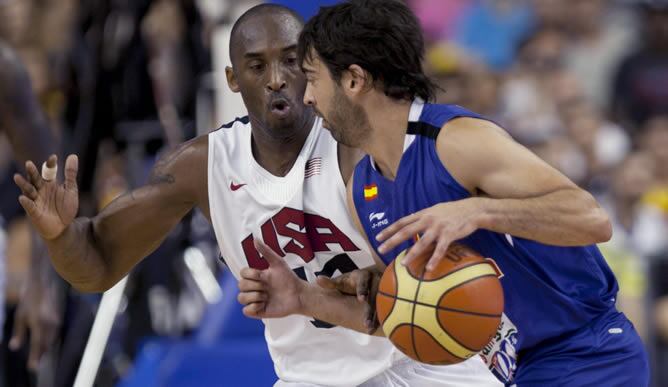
x=71, y=170
x=267, y=253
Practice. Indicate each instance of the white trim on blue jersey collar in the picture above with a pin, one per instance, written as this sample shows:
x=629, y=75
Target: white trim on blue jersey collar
x=413, y=116
x=416, y=110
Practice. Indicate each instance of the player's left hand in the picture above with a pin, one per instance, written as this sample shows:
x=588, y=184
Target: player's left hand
x=441, y=225
x=271, y=293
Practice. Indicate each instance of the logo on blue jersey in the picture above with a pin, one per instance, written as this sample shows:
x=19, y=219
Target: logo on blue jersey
x=379, y=218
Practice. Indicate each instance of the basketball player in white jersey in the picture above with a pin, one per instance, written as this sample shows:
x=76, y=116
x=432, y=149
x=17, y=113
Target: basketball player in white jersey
x=275, y=175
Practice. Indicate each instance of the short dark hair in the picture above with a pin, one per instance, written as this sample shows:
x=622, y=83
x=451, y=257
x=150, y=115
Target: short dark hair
x=259, y=10
x=381, y=36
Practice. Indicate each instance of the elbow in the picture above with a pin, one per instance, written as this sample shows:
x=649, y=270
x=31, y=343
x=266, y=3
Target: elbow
x=91, y=286
x=600, y=226
x=605, y=227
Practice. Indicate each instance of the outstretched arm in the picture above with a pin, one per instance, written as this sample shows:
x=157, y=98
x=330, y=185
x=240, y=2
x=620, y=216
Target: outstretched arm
x=514, y=192
x=93, y=254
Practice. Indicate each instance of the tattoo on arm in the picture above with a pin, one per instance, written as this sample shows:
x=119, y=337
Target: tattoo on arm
x=161, y=178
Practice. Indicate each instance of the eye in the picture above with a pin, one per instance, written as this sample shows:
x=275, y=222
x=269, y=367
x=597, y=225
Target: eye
x=291, y=61
x=256, y=66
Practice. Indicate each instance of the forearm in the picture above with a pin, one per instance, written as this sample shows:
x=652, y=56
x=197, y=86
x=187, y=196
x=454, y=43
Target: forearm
x=335, y=308
x=566, y=217
x=76, y=256
x=94, y=254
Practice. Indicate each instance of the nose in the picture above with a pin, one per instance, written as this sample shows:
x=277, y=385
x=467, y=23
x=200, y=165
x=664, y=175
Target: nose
x=308, y=96
x=276, y=81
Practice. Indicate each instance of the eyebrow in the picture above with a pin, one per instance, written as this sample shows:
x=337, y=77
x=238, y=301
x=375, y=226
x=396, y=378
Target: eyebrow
x=259, y=54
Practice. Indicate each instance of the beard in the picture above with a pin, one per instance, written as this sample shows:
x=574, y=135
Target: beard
x=348, y=122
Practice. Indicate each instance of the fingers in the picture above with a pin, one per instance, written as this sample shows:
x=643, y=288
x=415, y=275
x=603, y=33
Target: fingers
x=71, y=170
x=251, y=274
x=33, y=175
x=439, y=252
x=246, y=298
x=396, y=226
x=28, y=205
x=267, y=253
x=403, y=234
x=250, y=286
x=52, y=161
x=363, y=285
x=18, y=333
x=254, y=310
x=36, y=349
x=419, y=247
x=27, y=189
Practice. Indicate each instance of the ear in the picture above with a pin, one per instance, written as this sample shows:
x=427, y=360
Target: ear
x=231, y=79
x=355, y=80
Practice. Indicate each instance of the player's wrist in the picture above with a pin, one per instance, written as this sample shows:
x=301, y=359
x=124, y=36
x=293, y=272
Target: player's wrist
x=481, y=216
x=304, y=293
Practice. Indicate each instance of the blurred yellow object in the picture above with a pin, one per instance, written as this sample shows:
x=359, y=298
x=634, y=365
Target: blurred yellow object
x=657, y=197
x=443, y=58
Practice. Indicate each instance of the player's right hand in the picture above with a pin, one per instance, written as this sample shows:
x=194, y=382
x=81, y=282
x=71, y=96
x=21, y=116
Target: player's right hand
x=362, y=283
x=50, y=206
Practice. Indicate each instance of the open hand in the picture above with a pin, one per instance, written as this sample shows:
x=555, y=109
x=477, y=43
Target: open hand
x=273, y=292
x=441, y=225
x=50, y=206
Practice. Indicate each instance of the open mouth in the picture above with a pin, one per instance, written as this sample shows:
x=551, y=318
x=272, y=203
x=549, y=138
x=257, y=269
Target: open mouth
x=280, y=106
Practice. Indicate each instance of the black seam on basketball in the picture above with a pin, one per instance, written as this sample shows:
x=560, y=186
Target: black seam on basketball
x=396, y=289
x=417, y=292
x=439, y=344
x=461, y=284
x=452, y=336
x=440, y=307
x=456, y=270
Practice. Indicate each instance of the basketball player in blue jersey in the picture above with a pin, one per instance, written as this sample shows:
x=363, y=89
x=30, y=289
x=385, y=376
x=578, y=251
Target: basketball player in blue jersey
x=446, y=174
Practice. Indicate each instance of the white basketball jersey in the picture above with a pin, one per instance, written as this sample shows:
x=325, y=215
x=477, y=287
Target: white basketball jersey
x=304, y=217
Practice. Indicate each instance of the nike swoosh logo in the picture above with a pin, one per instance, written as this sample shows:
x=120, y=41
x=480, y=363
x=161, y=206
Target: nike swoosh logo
x=235, y=187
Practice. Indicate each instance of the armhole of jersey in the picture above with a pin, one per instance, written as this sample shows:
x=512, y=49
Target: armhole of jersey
x=342, y=182
x=210, y=161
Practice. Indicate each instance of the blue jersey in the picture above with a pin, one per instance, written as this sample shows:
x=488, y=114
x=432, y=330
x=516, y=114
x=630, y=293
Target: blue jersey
x=549, y=290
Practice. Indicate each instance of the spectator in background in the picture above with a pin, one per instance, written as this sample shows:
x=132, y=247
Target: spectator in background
x=638, y=232
x=641, y=84
x=550, y=13
x=655, y=142
x=603, y=143
x=491, y=30
x=528, y=95
x=600, y=35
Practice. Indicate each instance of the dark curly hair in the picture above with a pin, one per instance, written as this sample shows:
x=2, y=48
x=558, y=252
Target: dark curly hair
x=381, y=36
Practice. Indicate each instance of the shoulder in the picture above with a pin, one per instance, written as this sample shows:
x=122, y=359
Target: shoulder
x=184, y=167
x=467, y=146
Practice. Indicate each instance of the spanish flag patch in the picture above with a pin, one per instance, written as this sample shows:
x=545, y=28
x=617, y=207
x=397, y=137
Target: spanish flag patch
x=370, y=192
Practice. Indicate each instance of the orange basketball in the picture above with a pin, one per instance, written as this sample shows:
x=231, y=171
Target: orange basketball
x=443, y=316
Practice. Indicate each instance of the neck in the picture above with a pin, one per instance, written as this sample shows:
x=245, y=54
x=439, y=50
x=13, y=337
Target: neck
x=277, y=153
x=388, y=119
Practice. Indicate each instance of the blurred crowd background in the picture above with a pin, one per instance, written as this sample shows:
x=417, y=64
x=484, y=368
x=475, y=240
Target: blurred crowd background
x=583, y=83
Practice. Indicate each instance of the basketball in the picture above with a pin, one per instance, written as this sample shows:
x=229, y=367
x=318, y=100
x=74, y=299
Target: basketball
x=443, y=316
